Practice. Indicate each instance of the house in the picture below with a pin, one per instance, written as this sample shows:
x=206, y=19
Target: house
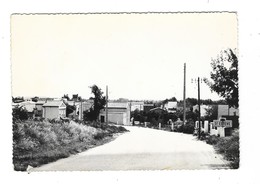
x=171, y=106
x=118, y=112
x=224, y=110
x=137, y=106
x=54, y=109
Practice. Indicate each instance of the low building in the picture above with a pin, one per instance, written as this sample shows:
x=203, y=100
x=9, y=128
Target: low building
x=225, y=110
x=54, y=109
x=203, y=109
x=137, y=106
x=171, y=106
x=118, y=112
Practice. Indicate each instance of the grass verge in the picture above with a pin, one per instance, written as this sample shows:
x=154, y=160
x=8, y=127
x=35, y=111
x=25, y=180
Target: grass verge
x=40, y=142
x=228, y=147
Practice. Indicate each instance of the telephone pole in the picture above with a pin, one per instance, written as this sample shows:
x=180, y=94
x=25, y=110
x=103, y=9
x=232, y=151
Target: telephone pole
x=184, y=95
x=199, y=104
x=107, y=104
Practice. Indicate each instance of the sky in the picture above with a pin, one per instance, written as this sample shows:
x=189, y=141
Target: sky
x=139, y=56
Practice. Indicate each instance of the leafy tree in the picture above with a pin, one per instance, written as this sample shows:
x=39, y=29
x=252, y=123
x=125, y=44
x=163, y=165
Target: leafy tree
x=225, y=77
x=212, y=113
x=19, y=113
x=66, y=96
x=99, y=103
x=35, y=99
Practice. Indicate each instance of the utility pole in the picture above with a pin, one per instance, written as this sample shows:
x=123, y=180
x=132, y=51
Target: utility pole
x=107, y=104
x=184, y=95
x=199, y=104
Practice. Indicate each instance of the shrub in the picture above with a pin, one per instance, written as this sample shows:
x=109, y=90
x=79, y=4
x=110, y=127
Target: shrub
x=212, y=140
x=99, y=135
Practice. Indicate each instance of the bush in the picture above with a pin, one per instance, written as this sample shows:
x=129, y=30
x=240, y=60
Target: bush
x=228, y=146
x=40, y=142
x=212, y=140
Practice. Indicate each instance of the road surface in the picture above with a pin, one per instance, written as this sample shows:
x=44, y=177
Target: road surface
x=143, y=149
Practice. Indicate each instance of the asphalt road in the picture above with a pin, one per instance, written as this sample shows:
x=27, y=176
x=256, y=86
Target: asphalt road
x=143, y=149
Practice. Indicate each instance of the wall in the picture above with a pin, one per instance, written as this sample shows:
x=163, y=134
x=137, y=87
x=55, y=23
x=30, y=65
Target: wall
x=50, y=112
x=223, y=111
x=119, y=116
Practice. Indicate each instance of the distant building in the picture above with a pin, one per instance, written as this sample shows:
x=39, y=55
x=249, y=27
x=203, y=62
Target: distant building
x=118, y=112
x=137, y=106
x=54, y=109
x=224, y=110
x=170, y=106
x=203, y=109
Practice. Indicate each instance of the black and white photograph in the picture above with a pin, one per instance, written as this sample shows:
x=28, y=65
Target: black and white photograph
x=118, y=92
x=125, y=91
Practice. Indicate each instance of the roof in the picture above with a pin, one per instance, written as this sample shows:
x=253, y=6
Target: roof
x=40, y=102
x=117, y=105
x=53, y=104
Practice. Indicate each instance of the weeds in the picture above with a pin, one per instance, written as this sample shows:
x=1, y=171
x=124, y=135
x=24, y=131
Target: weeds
x=39, y=142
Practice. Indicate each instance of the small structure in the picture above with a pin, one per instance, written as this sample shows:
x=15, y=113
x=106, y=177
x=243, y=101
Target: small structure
x=137, y=106
x=54, y=109
x=171, y=106
x=118, y=112
x=225, y=110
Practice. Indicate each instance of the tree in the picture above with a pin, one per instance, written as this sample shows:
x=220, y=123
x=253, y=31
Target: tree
x=66, y=96
x=225, y=77
x=20, y=113
x=211, y=113
x=99, y=103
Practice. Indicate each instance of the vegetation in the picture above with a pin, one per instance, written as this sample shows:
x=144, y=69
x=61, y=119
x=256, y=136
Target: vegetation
x=225, y=77
x=228, y=146
x=39, y=142
x=99, y=103
x=20, y=113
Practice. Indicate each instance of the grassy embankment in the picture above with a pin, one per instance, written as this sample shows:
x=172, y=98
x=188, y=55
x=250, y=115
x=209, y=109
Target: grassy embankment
x=228, y=147
x=40, y=142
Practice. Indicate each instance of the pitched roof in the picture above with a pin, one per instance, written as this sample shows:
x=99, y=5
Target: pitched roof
x=53, y=104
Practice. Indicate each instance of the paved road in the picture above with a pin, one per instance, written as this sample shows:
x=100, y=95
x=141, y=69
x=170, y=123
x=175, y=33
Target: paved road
x=143, y=149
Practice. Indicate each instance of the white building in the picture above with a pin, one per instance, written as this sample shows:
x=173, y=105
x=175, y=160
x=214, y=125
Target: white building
x=118, y=112
x=171, y=106
x=54, y=109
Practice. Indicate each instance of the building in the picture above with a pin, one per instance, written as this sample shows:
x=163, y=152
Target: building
x=54, y=109
x=171, y=106
x=224, y=110
x=137, y=106
x=118, y=112
x=203, y=109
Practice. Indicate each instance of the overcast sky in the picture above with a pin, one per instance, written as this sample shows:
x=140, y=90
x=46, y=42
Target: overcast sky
x=139, y=56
